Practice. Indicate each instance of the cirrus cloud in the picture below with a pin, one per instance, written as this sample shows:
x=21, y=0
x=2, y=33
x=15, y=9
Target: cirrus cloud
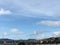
x=4, y=12
x=32, y=7
x=5, y=34
x=40, y=34
x=56, y=34
x=50, y=23
x=16, y=31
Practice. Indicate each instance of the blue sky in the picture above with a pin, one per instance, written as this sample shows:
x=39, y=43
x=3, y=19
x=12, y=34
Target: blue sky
x=24, y=19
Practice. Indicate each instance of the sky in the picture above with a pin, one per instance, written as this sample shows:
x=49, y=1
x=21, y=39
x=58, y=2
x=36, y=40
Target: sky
x=29, y=19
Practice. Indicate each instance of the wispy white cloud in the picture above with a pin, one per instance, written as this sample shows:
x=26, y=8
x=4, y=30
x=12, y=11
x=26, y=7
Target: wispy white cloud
x=5, y=34
x=16, y=31
x=38, y=7
x=38, y=34
x=50, y=23
x=56, y=34
x=44, y=34
x=4, y=12
x=42, y=7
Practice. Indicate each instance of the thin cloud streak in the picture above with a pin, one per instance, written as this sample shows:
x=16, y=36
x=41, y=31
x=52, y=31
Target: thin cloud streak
x=5, y=12
x=38, y=7
x=50, y=23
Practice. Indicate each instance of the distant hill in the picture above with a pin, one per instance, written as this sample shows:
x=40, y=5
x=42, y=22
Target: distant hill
x=6, y=40
x=51, y=40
